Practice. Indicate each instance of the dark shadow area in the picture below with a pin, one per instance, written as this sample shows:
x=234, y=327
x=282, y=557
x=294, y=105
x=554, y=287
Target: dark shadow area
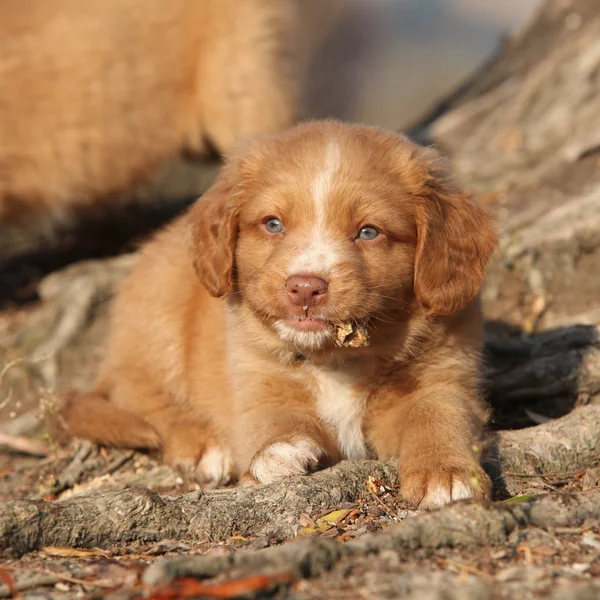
x=492, y=465
x=105, y=232
x=531, y=378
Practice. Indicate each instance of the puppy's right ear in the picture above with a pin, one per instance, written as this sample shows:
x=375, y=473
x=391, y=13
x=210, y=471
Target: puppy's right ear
x=213, y=225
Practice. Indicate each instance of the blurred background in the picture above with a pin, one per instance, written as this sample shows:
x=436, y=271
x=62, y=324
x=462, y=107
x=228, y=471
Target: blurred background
x=385, y=62
x=91, y=109
x=93, y=118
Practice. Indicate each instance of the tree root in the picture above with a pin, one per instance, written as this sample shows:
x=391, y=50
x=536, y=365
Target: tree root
x=568, y=444
x=560, y=362
x=458, y=525
x=105, y=519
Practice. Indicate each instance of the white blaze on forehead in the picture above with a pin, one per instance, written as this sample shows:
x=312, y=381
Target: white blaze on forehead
x=323, y=181
x=321, y=253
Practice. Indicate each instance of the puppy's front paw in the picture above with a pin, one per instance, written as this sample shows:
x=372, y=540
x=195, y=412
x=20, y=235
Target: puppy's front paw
x=285, y=459
x=214, y=468
x=431, y=488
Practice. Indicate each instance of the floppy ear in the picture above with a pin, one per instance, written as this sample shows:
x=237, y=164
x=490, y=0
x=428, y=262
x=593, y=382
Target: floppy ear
x=455, y=241
x=213, y=227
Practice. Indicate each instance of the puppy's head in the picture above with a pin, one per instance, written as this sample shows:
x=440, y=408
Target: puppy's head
x=331, y=223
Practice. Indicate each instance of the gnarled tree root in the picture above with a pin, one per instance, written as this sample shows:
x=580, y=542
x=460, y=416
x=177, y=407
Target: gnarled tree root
x=106, y=519
x=459, y=525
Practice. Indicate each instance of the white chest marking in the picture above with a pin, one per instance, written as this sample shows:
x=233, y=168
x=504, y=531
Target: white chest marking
x=342, y=407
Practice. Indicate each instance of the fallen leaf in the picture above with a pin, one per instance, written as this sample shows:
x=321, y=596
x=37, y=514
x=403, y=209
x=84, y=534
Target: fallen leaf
x=519, y=498
x=335, y=516
x=544, y=550
x=246, y=586
x=9, y=581
x=326, y=522
x=66, y=552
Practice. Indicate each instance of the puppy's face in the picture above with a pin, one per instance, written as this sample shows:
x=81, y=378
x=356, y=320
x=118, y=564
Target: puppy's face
x=337, y=223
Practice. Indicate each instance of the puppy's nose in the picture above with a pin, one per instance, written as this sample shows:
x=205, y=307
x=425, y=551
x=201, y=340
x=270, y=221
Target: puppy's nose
x=305, y=290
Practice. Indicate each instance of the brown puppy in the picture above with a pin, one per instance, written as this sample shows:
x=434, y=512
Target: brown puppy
x=96, y=95
x=230, y=359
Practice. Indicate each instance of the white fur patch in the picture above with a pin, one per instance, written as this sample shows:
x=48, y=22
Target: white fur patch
x=320, y=256
x=285, y=459
x=321, y=253
x=303, y=340
x=321, y=184
x=214, y=468
x=342, y=407
x=439, y=495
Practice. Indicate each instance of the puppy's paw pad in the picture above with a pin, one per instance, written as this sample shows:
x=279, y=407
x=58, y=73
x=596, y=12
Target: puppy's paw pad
x=285, y=459
x=214, y=468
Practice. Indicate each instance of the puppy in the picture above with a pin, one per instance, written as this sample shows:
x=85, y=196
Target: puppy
x=97, y=95
x=225, y=349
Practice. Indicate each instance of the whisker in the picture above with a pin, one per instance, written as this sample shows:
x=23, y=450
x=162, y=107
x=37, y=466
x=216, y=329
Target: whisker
x=388, y=322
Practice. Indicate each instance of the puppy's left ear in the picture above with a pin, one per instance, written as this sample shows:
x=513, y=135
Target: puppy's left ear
x=455, y=241
x=213, y=228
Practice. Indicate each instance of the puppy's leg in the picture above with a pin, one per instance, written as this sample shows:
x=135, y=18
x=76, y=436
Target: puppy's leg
x=436, y=434
x=134, y=414
x=190, y=445
x=93, y=417
x=277, y=433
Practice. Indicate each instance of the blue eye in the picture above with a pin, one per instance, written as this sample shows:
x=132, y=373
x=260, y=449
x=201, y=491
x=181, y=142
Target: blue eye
x=367, y=233
x=274, y=225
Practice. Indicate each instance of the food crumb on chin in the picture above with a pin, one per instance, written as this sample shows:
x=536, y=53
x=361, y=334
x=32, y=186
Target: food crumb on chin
x=349, y=334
